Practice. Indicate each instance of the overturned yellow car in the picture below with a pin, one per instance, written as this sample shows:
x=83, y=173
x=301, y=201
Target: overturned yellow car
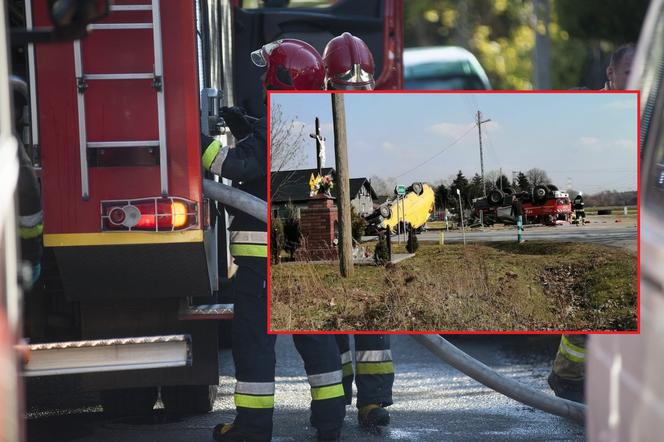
x=413, y=210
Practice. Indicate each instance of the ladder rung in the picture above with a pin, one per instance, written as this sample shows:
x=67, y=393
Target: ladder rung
x=128, y=76
x=131, y=8
x=107, y=144
x=109, y=26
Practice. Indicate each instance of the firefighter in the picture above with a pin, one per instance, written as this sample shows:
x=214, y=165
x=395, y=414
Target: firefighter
x=579, y=211
x=290, y=65
x=30, y=221
x=567, y=376
x=349, y=65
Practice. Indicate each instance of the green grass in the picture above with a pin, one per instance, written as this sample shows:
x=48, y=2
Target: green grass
x=492, y=286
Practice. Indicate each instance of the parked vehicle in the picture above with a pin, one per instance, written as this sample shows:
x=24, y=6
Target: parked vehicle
x=442, y=68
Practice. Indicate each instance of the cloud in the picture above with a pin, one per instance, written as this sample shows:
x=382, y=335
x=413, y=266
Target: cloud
x=456, y=130
x=588, y=141
x=388, y=146
x=623, y=104
x=453, y=130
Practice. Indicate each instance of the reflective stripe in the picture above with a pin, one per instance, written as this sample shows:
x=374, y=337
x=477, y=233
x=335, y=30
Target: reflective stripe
x=373, y=355
x=347, y=369
x=255, y=250
x=321, y=379
x=375, y=368
x=346, y=357
x=262, y=388
x=31, y=220
x=246, y=237
x=31, y=232
x=248, y=401
x=329, y=392
x=210, y=154
x=218, y=162
x=571, y=351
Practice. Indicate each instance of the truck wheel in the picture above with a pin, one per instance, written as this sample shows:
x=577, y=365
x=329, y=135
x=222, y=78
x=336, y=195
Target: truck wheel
x=495, y=197
x=182, y=400
x=552, y=188
x=417, y=188
x=385, y=211
x=508, y=191
x=539, y=194
x=129, y=401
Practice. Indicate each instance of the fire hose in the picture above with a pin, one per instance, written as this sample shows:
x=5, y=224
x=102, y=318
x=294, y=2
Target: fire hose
x=236, y=198
x=450, y=354
x=439, y=346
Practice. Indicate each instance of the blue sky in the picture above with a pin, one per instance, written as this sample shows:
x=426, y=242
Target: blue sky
x=590, y=139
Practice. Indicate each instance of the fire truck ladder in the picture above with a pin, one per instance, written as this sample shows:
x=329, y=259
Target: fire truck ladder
x=157, y=84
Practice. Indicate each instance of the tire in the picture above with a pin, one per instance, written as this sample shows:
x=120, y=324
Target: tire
x=552, y=188
x=540, y=193
x=129, y=401
x=385, y=211
x=183, y=400
x=495, y=197
x=418, y=188
x=508, y=191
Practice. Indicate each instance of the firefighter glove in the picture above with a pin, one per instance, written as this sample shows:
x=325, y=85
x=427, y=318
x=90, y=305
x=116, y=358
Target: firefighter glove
x=235, y=118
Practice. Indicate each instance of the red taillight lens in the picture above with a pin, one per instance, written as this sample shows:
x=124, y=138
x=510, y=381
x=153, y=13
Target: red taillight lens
x=149, y=214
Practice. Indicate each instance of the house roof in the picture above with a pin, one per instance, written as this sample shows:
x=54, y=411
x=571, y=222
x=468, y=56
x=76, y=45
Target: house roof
x=293, y=185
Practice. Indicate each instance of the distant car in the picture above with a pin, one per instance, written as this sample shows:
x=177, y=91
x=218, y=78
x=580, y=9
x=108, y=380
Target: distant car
x=413, y=209
x=445, y=68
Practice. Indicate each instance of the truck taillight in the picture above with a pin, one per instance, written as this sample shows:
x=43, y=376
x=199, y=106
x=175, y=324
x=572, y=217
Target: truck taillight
x=149, y=214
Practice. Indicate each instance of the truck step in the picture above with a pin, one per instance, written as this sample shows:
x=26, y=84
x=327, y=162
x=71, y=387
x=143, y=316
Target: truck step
x=207, y=312
x=118, y=354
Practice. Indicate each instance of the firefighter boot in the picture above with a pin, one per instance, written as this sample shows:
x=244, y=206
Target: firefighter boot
x=329, y=435
x=566, y=388
x=373, y=415
x=231, y=433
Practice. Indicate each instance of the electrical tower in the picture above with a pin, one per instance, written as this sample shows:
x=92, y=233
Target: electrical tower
x=479, y=123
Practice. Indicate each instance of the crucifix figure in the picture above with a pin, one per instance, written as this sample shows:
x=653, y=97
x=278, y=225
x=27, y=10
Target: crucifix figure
x=320, y=147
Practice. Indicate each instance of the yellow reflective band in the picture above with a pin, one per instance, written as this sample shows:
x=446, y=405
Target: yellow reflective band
x=328, y=392
x=375, y=368
x=118, y=238
x=571, y=346
x=211, y=153
x=256, y=250
x=249, y=401
x=347, y=369
x=572, y=352
x=31, y=232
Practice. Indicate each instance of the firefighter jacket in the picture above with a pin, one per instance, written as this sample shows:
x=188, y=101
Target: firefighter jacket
x=30, y=213
x=246, y=166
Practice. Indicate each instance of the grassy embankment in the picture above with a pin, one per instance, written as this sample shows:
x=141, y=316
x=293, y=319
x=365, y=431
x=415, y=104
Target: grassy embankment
x=492, y=286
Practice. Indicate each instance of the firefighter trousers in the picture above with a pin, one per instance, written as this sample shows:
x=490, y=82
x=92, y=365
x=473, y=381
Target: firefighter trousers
x=254, y=357
x=570, y=362
x=374, y=369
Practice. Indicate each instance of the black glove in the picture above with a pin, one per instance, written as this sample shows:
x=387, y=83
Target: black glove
x=235, y=119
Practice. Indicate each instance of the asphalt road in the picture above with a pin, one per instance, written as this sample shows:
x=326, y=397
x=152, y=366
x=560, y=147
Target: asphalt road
x=432, y=401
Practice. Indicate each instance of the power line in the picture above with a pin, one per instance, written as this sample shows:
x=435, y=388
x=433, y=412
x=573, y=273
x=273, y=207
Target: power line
x=439, y=153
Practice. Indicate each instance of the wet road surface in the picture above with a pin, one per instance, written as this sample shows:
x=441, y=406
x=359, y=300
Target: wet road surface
x=432, y=401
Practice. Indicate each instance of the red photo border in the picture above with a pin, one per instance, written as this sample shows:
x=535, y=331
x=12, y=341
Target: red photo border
x=468, y=332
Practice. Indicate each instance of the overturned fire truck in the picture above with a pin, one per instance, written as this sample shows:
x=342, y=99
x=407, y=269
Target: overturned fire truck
x=544, y=205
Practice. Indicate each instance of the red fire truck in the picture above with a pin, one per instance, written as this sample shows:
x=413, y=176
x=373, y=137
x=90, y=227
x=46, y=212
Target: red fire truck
x=545, y=205
x=136, y=261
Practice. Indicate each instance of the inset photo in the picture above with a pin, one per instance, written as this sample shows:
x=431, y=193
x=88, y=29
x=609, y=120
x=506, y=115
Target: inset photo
x=453, y=212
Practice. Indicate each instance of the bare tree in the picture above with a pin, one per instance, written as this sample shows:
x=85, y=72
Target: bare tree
x=287, y=139
x=287, y=144
x=537, y=176
x=383, y=186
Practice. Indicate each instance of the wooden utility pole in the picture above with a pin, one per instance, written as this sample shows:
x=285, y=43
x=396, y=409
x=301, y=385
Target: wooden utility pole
x=343, y=186
x=479, y=123
x=318, y=137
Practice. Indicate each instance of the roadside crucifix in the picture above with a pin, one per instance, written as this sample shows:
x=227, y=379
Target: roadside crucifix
x=320, y=147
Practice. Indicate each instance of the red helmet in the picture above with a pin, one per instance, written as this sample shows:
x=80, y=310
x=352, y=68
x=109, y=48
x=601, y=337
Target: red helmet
x=348, y=63
x=291, y=65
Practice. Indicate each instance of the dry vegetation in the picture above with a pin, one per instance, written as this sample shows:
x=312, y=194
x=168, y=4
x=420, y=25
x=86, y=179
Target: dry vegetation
x=492, y=286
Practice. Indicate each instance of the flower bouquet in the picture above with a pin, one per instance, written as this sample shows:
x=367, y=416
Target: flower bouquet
x=321, y=185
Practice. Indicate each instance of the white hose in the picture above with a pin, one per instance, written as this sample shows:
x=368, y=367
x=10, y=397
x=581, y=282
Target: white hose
x=236, y=198
x=510, y=388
